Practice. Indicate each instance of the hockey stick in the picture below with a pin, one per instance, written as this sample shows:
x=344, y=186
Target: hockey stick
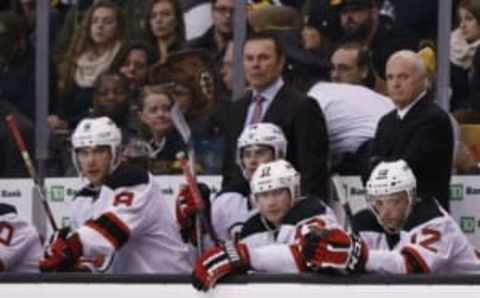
x=188, y=167
x=12, y=124
x=342, y=193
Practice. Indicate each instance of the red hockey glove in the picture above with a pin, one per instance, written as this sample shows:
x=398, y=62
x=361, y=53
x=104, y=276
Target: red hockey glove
x=186, y=210
x=335, y=249
x=62, y=255
x=218, y=262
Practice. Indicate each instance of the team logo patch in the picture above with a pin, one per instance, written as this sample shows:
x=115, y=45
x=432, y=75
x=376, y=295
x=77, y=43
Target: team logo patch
x=456, y=192
x=467, y=224
x=57, y=193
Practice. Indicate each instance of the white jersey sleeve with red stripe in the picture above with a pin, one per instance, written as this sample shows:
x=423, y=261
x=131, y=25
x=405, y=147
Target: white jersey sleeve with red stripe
x=119, y=213
x=276, y=250
x=132, y=222
x=20, y=246
x=435, y=246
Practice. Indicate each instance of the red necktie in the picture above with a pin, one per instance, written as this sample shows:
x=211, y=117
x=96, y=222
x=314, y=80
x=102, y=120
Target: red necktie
x=257, y=111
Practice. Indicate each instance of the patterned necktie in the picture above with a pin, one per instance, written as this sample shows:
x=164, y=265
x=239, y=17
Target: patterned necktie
x=257, y=111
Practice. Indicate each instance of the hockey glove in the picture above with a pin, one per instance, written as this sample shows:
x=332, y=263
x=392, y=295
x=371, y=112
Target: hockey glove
x=334, y=249
x=186, y=210
x=218, y=262
x=62, y=255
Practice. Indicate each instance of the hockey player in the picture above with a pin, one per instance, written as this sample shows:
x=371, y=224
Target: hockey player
x=121, y=215
x=257, y=144
x=20, y=246
x=400, y=233
x=269, y=239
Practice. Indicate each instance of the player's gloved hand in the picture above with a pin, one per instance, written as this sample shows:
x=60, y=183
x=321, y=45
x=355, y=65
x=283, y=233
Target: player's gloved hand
x=334, y=249
x=62, y=255
x=62, y=233
x=186, y=210
x=218, y=262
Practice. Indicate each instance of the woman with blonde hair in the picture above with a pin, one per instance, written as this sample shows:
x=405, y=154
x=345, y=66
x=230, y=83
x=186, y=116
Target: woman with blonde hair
x=155, y=105
x=94, y=48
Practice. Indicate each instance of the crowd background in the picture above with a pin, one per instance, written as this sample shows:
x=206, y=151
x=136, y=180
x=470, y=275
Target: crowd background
x=126, y=58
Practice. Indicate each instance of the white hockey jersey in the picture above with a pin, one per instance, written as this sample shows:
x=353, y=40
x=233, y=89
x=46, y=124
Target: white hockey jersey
x=20, y=246
x=271, y=248
x=131, y=222
x=430, y=242
x=230, y=210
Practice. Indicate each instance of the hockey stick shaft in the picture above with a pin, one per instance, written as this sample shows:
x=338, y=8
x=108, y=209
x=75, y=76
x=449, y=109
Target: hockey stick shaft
x=12, y=124
x=197, y=197
x=342, y=193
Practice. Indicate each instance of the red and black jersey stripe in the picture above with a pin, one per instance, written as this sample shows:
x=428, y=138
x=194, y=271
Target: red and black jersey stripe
x=414, y=261
x=297, y=256
x=112, y=228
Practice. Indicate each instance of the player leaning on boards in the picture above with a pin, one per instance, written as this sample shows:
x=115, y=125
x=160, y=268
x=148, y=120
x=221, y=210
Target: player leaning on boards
x=269, y=241
x=120, y=214
x=400, y=232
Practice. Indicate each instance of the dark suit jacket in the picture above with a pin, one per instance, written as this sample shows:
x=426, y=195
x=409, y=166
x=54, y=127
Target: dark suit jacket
x=303, y=124
x=424, y=138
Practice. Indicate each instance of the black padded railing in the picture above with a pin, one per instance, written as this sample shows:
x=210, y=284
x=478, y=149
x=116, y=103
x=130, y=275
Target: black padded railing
x=367, y=279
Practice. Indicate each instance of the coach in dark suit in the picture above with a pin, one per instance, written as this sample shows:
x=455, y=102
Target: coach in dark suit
x=271, y=100
x=417, y=131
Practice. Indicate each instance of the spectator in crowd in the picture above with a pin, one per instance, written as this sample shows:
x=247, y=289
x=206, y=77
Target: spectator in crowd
x=17, y=67
x=269, y=239
x=420, y=21
x=350, y=64
x=133, y=62
x=11, y=161
x=27, y=9
x=92, y=52
x=303, y=67
x=315, y=40
x=400, y=233
x=352, y=113
x=189, y=74
x=417, y=131
x=471, y=114
x=464, y=41
x=20, y=245
x=272, y=100
x=226, y=72
x=73, y=12
x=111, y=98
x=321, y=29
x=122, y=224
x=155, y=105
x=361, y=22
x=215, y=40
x=166, y=28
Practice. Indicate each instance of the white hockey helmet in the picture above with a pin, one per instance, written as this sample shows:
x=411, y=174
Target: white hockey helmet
x=274, y=175
x=266, y=134
x=92, y=132
x=390, y=178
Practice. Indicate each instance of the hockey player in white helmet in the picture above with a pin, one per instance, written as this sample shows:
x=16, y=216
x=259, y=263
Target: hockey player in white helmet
x=20, y=246
x=270, y=239
x=257, y=144
x=122, y=224
x=400, y=233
